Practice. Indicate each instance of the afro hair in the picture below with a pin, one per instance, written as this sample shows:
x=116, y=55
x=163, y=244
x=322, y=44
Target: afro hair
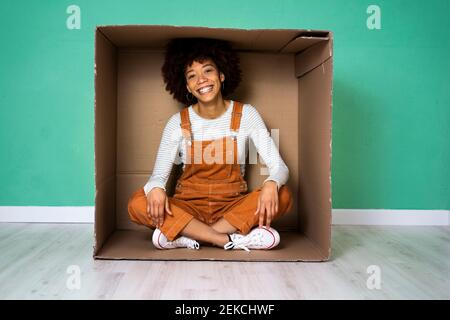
x=182, y=52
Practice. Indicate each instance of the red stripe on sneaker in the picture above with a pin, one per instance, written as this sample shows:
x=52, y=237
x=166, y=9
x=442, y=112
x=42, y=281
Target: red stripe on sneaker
x=273, y=239
x=159, y=243
x=272, y=236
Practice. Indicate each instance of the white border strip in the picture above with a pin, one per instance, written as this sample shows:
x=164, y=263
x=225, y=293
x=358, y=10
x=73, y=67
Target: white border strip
x=43, y=214
x=391, y=217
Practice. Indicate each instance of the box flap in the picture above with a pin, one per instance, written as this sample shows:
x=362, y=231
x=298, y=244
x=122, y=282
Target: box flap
x=301, y=43
x=313, y=56
x=156, y=36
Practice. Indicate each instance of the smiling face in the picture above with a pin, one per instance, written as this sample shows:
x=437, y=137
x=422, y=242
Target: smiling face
x=204, y=80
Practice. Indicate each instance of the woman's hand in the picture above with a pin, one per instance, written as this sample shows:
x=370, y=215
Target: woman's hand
x=267, y=203
x=157, y=201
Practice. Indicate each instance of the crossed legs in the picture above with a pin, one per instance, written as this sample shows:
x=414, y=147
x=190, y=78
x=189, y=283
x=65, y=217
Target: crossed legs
x=216, y=234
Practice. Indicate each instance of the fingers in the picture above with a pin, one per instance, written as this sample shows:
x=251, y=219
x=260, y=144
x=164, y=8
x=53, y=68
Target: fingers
x=156, y=210
x=168, y=207
x=150, y=210
x=261, y=214
x=160, y=207
x=154, y=213
x=155, y=216
x=270, y=214
x=260, y=210
x=267, y=211
x=274, y=211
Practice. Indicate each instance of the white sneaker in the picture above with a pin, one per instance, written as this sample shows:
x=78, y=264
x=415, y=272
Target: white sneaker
x=259, y=238
x=160, y=241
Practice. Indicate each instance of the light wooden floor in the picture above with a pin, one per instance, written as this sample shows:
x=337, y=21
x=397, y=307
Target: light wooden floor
x=414, y=264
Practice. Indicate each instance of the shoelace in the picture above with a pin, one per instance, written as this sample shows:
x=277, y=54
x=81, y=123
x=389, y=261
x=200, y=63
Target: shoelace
x=189, y=243
x=241, y=246
x=240, y=243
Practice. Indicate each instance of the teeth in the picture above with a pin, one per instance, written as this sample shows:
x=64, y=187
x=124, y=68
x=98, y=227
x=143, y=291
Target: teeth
x=206, y=89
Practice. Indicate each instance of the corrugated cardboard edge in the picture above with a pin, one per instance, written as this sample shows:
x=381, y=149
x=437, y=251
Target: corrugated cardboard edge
x=98, y=243
x=331, y=139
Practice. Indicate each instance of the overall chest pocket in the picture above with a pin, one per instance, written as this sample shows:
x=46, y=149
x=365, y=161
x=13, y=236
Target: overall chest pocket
x=212, y=172
x=213, y=160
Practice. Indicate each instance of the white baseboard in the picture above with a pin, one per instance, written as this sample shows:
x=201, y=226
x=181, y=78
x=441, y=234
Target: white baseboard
x=43, y=214
x=40, y=214
x=391, y=217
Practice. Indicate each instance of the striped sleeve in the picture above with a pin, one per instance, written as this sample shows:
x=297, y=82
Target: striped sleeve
x=266, y=147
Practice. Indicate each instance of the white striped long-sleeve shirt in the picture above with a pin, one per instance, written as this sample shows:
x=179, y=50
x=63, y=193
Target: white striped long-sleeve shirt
x=173, y=145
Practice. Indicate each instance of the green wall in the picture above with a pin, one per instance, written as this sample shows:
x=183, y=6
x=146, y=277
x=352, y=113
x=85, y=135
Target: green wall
x=391, y=104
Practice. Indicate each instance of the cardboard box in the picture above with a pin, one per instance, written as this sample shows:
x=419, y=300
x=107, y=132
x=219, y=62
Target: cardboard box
x=287, y=76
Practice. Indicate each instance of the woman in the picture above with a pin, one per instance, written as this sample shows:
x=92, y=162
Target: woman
x=211, y=204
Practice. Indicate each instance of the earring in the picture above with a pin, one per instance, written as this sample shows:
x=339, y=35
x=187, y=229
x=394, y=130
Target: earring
x=187, y=96
x=223, y=85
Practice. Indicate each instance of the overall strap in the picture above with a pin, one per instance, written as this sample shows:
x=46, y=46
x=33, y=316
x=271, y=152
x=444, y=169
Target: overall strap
x=236, y=117
x=186, y=125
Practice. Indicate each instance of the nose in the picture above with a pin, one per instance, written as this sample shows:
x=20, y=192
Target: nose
x=201, y=78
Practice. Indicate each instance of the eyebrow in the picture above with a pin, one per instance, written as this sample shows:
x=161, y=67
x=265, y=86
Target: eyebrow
x=206, y=65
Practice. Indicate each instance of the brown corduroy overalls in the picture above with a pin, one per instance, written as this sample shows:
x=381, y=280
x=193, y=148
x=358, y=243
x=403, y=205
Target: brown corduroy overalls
x=211, y=186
